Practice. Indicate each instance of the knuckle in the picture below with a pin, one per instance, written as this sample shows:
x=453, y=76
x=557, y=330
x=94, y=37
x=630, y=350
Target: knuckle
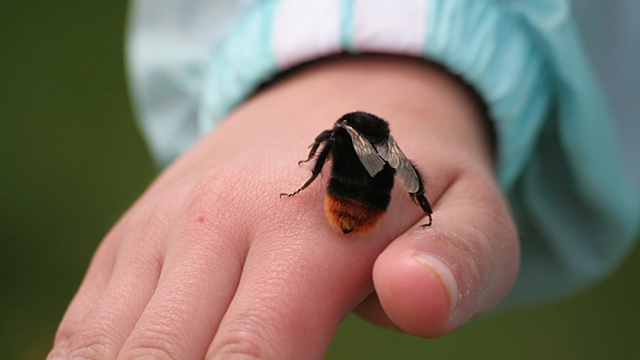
x=93, y=347
x=141, y=229
x=151, y=214
x=64, y=339
x=250, y=336
x=159, y=342
x=100, y=337
x=151, y=351
x=65, y=333
x=238, y=344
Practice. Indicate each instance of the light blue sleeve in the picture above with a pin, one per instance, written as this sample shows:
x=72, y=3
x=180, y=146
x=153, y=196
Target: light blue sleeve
x=611, y=33
x=168, y=45
x=557, y=162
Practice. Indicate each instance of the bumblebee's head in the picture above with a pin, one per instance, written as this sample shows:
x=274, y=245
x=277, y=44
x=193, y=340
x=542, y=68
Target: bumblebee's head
x=370, y=126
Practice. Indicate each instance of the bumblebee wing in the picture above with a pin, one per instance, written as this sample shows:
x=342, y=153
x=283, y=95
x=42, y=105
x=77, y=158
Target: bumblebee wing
x=367, y=154
x=392, y=154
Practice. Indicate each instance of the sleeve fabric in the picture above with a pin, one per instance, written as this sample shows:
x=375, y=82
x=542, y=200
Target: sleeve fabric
x=611, y=34
x=557, y=163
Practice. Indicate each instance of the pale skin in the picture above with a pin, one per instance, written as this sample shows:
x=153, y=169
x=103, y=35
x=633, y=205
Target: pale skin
x=211, y=263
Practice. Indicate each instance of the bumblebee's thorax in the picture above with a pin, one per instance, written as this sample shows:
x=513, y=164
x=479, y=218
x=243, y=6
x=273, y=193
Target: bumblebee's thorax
x=374, y=129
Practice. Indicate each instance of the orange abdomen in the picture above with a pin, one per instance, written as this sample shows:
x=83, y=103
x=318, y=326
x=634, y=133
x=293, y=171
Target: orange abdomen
x=351, y=216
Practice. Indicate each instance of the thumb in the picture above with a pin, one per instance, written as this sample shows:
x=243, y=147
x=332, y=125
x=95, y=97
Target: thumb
x=431, y=281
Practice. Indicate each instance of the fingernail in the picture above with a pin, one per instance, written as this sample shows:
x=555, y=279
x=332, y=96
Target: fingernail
x=445, y=274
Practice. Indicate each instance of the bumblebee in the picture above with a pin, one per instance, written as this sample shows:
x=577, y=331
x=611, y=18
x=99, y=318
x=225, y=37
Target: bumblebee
x=364, y=160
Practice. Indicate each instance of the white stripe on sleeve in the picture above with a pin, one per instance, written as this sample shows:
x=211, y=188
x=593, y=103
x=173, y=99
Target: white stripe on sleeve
x=390, y=25
x=305, y=30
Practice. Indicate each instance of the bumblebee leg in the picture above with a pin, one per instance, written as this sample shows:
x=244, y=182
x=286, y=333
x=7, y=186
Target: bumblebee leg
x=427, y=224
x=317, y=168
x=422, y=201
x=317, y=142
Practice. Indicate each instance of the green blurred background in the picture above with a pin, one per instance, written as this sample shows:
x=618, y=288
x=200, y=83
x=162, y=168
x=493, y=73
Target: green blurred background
x=71, y=161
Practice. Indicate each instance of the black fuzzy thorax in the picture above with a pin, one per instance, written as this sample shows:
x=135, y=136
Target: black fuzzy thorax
x=349, y=178
x=370, y=126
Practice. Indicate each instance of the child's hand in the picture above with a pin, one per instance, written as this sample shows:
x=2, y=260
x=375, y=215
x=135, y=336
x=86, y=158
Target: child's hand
x=211, y=262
